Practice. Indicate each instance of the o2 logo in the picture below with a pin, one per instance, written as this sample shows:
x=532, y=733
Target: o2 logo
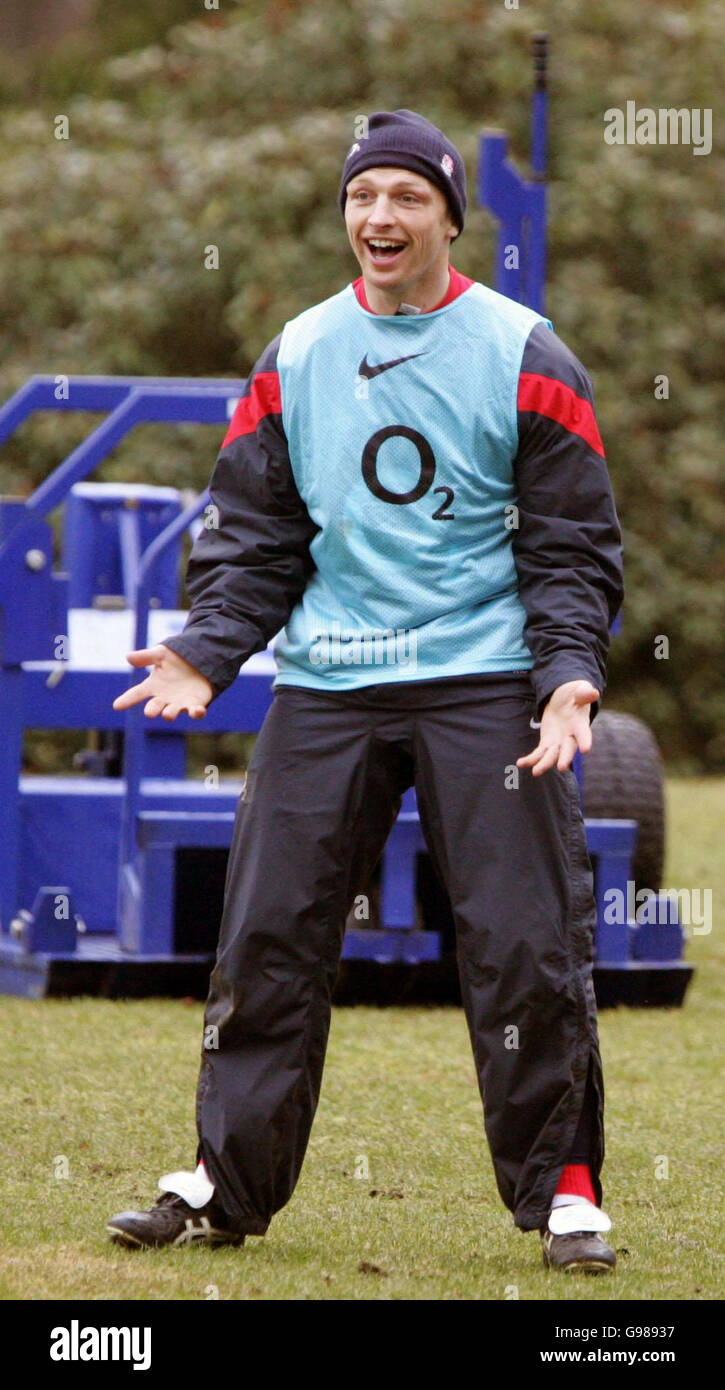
x=425, y=479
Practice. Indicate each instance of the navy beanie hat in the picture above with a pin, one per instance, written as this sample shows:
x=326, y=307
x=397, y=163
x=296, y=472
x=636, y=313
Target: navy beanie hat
x=408, y=141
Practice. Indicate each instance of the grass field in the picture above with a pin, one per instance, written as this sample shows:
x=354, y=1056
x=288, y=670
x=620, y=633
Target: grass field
x=110, y=1088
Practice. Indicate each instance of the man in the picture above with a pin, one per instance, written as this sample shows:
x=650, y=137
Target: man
x=416, y=456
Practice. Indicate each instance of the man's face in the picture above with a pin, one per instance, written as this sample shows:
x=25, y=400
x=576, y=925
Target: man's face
x=398, y=206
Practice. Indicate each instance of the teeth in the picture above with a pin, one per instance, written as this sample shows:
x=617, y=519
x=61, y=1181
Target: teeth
x=379, y=242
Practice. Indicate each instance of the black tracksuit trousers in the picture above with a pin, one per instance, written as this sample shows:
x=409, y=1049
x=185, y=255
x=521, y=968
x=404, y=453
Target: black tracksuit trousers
x=323, y=790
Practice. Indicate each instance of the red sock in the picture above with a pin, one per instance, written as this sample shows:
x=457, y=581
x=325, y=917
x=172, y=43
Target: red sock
x=576, y=1181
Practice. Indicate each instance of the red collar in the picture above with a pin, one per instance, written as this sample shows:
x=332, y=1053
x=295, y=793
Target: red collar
x=456, y=285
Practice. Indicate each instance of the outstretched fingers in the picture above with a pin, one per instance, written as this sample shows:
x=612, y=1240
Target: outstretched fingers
x=530, y=759
x=156, y=705
x=547, y=755
x=132, y=696
x=568, y=748
x=172, y=710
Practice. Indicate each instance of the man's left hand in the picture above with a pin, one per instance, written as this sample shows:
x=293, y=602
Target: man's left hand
x=565, y=726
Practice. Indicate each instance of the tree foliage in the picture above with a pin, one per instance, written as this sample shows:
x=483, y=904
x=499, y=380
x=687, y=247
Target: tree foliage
x=230, y=131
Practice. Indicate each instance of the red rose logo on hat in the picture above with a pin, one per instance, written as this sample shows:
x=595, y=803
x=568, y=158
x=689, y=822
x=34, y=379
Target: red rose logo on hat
x=447, y=165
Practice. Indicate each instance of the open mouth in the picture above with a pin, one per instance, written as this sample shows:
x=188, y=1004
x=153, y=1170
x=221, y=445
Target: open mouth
x=383, y=251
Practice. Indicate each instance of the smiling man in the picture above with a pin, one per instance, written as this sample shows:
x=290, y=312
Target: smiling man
x=416, y=456
x=400, y=228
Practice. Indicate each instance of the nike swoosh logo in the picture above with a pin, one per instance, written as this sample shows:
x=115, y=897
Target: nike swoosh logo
x=369, y=372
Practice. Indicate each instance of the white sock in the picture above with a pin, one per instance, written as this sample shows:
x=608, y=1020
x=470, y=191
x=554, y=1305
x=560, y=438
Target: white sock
x=573, y=1213
x=195, y=1188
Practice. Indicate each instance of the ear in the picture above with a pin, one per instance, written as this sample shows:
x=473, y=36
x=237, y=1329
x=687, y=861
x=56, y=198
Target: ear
x=453, y=227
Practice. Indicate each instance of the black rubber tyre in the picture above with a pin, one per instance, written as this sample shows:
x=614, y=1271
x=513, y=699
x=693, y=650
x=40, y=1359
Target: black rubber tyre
x=624, y=779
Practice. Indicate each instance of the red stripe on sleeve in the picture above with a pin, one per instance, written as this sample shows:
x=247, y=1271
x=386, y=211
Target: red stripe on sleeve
x=544, y=395
x=265, y=398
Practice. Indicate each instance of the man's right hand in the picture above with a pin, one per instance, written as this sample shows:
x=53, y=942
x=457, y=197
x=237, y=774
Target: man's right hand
x=173, y=687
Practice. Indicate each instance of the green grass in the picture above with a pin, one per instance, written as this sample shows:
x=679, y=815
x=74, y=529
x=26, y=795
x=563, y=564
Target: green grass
x=110, y=1086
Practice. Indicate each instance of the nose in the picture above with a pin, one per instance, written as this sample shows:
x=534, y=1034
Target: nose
x=379, y=215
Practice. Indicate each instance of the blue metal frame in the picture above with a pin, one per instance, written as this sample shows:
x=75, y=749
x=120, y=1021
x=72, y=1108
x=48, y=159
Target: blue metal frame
x=520, y=204
x=33, y=600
